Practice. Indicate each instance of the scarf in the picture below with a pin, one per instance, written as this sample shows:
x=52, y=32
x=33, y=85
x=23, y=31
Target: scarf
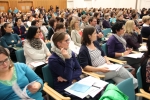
x=58, y=52
x=121, y=39
x=36, y=43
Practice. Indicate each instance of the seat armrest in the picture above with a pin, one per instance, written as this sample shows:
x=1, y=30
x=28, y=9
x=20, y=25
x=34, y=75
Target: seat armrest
x=54, y=94
x=93, y=74
x=117, y=61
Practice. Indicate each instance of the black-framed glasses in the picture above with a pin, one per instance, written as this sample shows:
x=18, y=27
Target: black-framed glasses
x=4, y=61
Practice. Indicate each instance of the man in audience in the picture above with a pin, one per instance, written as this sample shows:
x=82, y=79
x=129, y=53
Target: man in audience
x=93, y=22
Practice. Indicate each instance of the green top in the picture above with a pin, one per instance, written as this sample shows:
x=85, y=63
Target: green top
x=10, y=82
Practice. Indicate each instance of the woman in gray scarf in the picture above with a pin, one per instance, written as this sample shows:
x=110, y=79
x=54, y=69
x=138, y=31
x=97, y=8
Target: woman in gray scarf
x=116, y=46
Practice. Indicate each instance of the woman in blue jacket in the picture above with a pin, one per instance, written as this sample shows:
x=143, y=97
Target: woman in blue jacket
x=64, y=65
x=21, y=74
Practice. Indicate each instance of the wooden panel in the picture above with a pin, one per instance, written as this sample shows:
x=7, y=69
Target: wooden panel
x=36, y=3
x=4, y=6
x=24, y=6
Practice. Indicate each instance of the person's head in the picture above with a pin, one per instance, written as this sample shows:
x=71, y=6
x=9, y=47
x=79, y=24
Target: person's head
x=119, y=16
x=35, y=23
x=18, y=21
x=61, y=40
x=134, y=15
x=33, y=32
x=52, y=23
x=5, y=61
x=112, y=14
x=85, y=18
x=96, y=15
x=130, y=26
x=89, y=35
x=6, y=28
x=60, y=27
x=40, y=15
x=30, y=18
x=92, y=21
x=118, y=28
x=146, y=19
x=106, y=16
x=74, y=24
x=41, y=22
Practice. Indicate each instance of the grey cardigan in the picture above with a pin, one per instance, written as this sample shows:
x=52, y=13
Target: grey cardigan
x=76, y=37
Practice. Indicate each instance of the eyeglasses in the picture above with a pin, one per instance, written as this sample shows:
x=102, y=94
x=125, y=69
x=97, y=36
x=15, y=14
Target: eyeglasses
x=4, y=61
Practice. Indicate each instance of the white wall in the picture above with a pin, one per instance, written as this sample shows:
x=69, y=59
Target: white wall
x=108, y=3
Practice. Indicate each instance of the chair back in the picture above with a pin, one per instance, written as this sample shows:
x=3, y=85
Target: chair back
x=48, y=46
x=20, y=56
x=104, y=48
x=47, y=75
x=127, y=88
x=139, y=78
x=106, y=31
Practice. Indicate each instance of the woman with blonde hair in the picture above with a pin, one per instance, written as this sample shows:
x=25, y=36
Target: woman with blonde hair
x=132, y=35
x=145, y=31
x=76, y=33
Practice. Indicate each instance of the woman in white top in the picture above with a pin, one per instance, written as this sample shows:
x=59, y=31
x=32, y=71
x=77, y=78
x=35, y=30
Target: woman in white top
x=35, y=49
x=76, y=33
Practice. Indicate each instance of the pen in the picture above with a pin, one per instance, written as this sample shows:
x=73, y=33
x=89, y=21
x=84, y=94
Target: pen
x=96, y=86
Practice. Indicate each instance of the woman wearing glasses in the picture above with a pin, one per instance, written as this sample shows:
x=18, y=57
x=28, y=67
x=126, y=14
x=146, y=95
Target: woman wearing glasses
x=9, y=40
x=21, y=74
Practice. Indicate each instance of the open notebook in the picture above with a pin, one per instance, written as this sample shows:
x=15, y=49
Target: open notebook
x=87, y=86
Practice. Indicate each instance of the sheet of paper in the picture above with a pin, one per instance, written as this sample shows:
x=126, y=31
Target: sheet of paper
x=143, y=48
x=88, y=81
x=112, y=67
x=137, y=55
x=74, y=48
x=37, y=63
x=22, y=94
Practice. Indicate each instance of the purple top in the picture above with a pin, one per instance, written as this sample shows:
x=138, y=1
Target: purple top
x=133, y=40
x=113, y=45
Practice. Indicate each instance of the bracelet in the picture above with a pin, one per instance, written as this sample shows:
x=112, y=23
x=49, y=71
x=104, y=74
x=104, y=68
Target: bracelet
x=122, y=54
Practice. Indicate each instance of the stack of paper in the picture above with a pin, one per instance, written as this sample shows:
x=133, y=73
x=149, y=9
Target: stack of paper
x=87, y=86
x=112, y=67
x=143, y=48
x=137, y=55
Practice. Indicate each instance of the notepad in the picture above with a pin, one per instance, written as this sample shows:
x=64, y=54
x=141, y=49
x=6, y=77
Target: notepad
x=143, y=48
x=112, y=67
x=137, y=55
x=80, y=87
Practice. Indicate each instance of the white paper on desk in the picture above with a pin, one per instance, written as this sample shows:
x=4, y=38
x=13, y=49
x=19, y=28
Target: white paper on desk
x=143, y=48
x=22, y=94
x=37, y=63
x=92, y=91
x=136, y=55
x=112, y=67
x=74, y=48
